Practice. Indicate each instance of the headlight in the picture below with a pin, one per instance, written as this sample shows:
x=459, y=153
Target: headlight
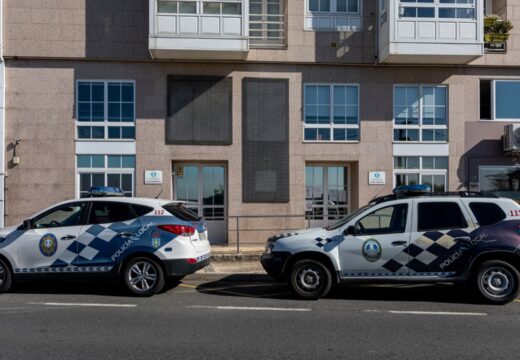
x=269, y=247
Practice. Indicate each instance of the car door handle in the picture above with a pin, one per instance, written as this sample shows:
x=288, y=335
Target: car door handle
x=399, y=243
x=124, y=234
x=68, y=237
x=462, y=239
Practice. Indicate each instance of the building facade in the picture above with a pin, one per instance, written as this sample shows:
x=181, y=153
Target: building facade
x=269, y=114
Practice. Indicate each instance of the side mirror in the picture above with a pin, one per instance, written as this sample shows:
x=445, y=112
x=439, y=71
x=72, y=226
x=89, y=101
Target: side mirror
x=27, y=224
x=351, y=230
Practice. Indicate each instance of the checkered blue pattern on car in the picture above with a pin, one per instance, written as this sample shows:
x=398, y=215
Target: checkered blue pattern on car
x=377, y=274
x=68, y=269
x=95, y=243
x=425, y=253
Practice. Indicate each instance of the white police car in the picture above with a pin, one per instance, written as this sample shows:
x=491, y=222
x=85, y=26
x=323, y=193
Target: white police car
x=413, y=235
x=144, y=242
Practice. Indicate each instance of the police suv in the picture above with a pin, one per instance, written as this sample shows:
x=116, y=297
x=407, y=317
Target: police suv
x=412, y=235
x=143, y=242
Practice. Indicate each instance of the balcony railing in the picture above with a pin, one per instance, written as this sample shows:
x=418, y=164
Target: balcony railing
x=267, y=31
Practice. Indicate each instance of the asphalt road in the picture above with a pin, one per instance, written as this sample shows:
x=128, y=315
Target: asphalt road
x=253, y=319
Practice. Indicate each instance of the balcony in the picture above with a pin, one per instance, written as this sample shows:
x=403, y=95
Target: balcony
x=215, y=29
x=430, y=31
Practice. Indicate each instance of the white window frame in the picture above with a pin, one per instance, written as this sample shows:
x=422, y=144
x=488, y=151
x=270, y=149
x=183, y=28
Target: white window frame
x=420, y=127
x=103, y=170
x=105, y=123
x=331, y=124
x=420, y=171
x=436, y=5
x=333, y=16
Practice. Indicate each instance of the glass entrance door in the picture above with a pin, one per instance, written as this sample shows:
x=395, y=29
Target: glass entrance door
x=203, y=187
x=326, y=193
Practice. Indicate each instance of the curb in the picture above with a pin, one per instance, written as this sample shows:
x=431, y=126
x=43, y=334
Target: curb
x=235, y=257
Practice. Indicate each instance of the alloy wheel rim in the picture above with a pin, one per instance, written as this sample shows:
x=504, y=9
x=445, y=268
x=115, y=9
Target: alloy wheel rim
x=497, y=282
x=309, y=278
x=3, y=275
x=142, y=276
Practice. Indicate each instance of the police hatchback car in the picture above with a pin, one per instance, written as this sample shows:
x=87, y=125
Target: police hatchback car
x=413, y=235
x=144, y=242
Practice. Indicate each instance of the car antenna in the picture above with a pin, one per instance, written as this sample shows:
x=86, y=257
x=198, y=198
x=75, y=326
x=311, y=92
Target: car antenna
x=379, y=192
x=159, y=194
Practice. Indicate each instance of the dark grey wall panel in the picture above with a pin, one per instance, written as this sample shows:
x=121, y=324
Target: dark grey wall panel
x=265, y=140
x=199, y=111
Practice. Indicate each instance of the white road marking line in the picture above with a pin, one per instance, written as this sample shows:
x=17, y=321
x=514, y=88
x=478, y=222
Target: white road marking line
x=83, y=304
x=446, y=313
x=248, y=308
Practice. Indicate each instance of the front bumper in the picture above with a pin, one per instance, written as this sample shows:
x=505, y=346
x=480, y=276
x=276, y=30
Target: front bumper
x=183, y=267
x=274, y=263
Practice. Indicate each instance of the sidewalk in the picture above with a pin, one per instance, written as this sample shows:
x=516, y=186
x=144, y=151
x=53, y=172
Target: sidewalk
x=226, y=260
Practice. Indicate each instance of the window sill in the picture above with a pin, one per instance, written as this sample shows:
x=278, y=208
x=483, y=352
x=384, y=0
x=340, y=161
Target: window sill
x=420, y=142
x=499, y=120
x=104, y=140
x=331, y=141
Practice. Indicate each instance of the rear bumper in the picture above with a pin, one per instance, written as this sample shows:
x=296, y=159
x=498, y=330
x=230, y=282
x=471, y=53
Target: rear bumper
x=183, y=267
x=274, y=263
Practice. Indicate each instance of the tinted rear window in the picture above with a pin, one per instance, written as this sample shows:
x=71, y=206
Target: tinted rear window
x=110, y=212
x=141, y=210
x=440, y=216
x=487, y=213
x=181, y=212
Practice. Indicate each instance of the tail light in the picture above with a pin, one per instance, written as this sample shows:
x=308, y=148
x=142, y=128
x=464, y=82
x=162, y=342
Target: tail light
x=181, y=230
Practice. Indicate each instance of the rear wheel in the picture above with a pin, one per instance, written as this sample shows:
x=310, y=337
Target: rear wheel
x=310, y=279
x=498, y=282
x=6, y=277
x=143, y=277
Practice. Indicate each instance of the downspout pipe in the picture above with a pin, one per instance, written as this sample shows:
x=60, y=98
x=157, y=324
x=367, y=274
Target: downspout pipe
x=2, y=119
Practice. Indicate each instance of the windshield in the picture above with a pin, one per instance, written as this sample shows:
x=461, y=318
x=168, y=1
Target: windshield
x=349, y=217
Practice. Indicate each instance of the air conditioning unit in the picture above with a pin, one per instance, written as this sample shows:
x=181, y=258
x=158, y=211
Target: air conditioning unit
x=511, y=140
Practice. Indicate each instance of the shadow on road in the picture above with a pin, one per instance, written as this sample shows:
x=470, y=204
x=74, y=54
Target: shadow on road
x=259, y=286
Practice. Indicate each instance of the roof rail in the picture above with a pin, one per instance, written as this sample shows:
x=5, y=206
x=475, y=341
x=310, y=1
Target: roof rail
x=465, y=194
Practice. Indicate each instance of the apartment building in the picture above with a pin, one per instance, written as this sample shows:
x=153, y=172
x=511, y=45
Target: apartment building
x=287, y=113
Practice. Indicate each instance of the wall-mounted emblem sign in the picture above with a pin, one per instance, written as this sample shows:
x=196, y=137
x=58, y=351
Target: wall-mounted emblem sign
x=376, y=178
x=152, y=177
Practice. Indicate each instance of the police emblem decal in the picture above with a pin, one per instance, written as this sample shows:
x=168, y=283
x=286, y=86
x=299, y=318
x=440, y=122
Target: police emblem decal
x=371, y=250
x=48, y=245
x=156, y=240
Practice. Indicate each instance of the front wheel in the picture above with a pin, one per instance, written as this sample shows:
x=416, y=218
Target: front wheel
x=498, y=282
x=310, y=279
x=6, y=277
x=143, y=277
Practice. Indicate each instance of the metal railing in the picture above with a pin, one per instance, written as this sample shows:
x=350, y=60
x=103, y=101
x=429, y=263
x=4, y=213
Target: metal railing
x=267, y=31
x=273, y=230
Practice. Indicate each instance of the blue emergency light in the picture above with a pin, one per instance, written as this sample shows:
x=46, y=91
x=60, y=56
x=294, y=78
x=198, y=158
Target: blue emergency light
x=412, y=189
x=100, y=191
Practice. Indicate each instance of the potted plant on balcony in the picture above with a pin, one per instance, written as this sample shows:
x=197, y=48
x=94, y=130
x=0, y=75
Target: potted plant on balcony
x=496, y=30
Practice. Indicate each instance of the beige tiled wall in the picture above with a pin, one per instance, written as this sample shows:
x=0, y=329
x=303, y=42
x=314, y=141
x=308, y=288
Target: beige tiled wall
x=40, y=111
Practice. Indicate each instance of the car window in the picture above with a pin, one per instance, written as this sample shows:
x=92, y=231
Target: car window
x=487, y=213
x=110, y=212
x=181, y=212
x=387, y=220
x=141, y=210
x=63, y=215
x=440, y=216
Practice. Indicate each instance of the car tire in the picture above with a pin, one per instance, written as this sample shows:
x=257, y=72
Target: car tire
x=310, y=279
x=6, y=277
x=143, y=276
x=497, y=282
